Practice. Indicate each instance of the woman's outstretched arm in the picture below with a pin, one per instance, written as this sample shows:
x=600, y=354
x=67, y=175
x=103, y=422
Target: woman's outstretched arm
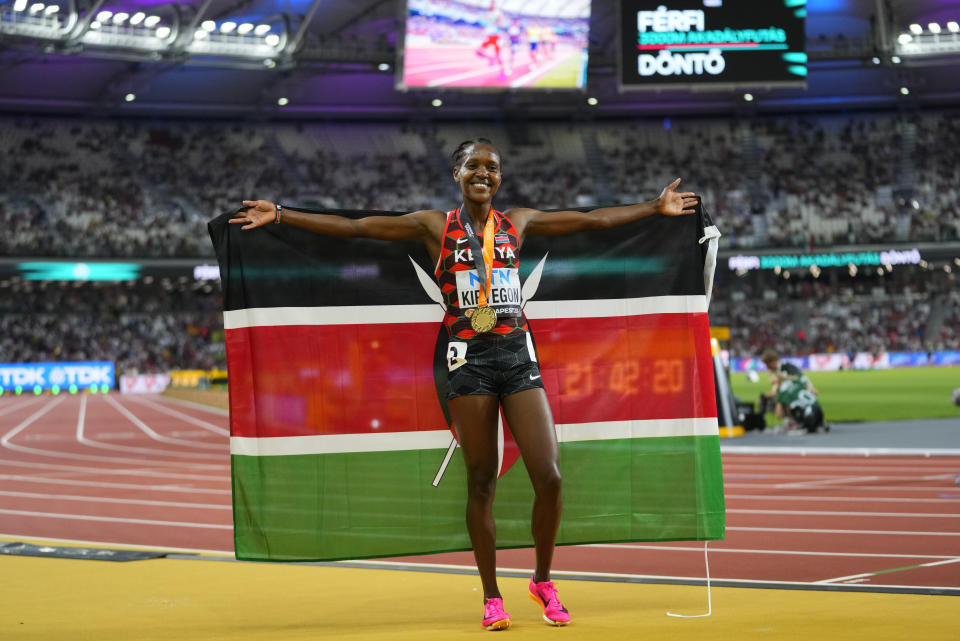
x=424, y=225
x=555, y=223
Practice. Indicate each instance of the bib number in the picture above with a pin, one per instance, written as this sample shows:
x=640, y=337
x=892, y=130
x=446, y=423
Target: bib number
x=456, y=354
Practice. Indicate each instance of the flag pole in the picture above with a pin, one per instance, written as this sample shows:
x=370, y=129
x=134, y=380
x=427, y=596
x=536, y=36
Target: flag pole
x=445, y=463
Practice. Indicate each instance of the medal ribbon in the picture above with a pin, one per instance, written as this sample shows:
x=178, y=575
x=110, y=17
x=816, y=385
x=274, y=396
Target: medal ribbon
x=482, y=257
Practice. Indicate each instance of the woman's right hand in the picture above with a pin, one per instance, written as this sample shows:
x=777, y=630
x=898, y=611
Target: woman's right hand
x=255, y=213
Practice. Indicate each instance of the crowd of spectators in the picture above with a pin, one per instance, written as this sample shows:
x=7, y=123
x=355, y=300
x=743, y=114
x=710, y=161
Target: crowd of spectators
x=143, y=327
x=914, y=309
x=146, y=188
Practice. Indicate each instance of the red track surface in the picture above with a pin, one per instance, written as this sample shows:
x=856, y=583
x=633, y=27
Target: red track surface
x=464, y=67
x=148, y=471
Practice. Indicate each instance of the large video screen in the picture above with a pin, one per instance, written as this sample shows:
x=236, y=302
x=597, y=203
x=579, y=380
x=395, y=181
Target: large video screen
x=703, y=43
x=496, y=44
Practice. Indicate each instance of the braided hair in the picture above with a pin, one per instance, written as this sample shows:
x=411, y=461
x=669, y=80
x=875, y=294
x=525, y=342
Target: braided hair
x=461, y=151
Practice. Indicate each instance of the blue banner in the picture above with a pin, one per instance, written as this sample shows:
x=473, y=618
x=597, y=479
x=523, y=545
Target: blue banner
x=83, y=375
x=945, y=358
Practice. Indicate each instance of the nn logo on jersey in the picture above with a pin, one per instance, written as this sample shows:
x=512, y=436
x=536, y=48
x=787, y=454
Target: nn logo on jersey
x=504, y=287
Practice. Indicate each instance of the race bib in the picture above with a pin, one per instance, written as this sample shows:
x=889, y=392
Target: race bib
x=504, y=295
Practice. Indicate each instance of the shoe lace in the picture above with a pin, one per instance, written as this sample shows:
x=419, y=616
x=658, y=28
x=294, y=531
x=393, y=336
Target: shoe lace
x=548, y=592
x=492, y=607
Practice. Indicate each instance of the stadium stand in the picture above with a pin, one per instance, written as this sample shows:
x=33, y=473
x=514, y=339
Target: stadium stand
x=146, y=188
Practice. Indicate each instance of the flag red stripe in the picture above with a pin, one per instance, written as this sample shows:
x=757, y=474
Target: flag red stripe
x=302, y=380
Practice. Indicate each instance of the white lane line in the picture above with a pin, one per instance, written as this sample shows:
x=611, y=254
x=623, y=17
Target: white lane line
x=81, y=438
x=114, y=545
x=604, y=575
x=830, y=480
x=114, y=519
x=186, y=403
x=5, y=440
x=539, y=71
x=935, y=515
x=100, y=499
x=826, y=531
x=867, y=488
x=837, y=469
x=640, y=546
x=867, y=499
x=104, y=484
x=466, y=74
x=869, y=574
x=190, y=419
x=160, y=437
x=18, y=405
x=122, y=471
x=408, y=71
x=856, y=479
x=859, y=452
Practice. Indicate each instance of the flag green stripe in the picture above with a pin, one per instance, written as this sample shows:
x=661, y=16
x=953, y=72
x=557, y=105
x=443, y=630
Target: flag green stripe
x=369, y=504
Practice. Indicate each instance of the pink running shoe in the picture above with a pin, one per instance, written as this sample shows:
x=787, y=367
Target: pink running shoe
x=546, y=595
x=494, y=618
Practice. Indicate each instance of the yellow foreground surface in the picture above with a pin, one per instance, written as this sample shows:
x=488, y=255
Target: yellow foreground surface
x=51, y=599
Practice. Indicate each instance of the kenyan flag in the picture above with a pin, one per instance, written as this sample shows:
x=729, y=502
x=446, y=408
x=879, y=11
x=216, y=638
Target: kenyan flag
x=341, y=447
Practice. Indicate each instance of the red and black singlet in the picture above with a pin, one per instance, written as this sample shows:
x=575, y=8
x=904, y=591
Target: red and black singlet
x=458, y=279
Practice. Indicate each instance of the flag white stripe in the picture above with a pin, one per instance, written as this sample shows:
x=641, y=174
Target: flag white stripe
x=440, y=439
x=379, y=314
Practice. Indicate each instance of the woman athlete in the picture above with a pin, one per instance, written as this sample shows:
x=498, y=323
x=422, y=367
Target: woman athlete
x=491, y=359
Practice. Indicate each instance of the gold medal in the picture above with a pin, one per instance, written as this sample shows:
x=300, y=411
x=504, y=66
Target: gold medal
x=483, y=319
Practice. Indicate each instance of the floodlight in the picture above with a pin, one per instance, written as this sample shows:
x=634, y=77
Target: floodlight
x=137, y=18
x=876, y=60
x=20, y=5
x=272, y=39
x=36, y=7
x=383, y=66
x=130, y=97
x=95, y=25
x=227, y=27
x=895, y=59
x=162, y=32
x=436, y=102
x=748, y=97
x=104, y=15
x=916, y=29
x=200, y=34
x=934, y=27
x=592, y=101
x=51, y=9
x=904, y=38
x=245, y=28
x=953, y=27
x=209, y=26
x=151, y=22
x=120, y=18
x=262, y=29
x=283, y=102
x=904, y=91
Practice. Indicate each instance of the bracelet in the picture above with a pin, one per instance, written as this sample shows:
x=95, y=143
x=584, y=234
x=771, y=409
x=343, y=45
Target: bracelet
x=279, y=214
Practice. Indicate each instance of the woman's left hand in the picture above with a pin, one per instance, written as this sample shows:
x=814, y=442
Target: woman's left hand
x=674, y=203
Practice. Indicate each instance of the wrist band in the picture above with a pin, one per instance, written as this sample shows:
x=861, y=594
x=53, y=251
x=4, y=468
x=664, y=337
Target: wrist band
x=279, y=214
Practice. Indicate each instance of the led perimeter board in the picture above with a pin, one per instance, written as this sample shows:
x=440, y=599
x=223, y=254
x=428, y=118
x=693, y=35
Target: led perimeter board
x=495, y=44
x=712, y=43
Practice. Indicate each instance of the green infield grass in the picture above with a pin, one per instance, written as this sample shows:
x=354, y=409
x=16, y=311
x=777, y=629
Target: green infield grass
x=872, y=395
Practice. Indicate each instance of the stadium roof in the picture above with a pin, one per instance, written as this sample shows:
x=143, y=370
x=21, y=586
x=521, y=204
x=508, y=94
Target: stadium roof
x=343, y=55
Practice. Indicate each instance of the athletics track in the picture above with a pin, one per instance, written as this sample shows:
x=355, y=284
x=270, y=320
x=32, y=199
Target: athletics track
x=451, y=66
x=151, y=472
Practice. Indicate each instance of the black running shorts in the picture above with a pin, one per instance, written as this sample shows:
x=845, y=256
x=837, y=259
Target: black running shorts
x=494, y=366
